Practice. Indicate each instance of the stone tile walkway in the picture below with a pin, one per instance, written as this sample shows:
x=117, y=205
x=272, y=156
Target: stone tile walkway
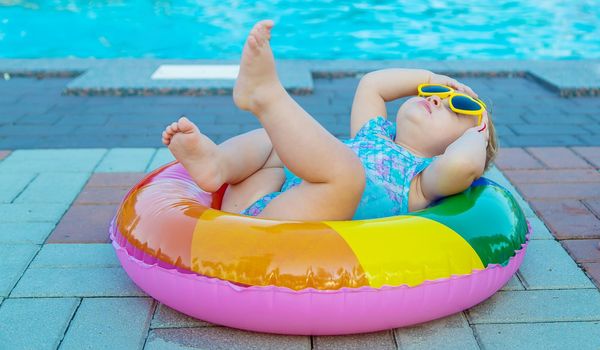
x=525, y=114
x=65, y=163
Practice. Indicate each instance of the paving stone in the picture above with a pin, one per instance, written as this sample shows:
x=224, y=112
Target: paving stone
x=126, y=179
x=373, y=340
x=4, y=154
x=126, y=160
x=14, y=258
x=516, y=158
x=558, y=157
x=540, y=336
x=76, y=282
x=102, y=195
x=583, y=250
x=557, y=119
x=590, y=154
x=25, y=232
x=84, y=224
x=567, y=218
x=31, y=212
x=99, y=322
x=35, y=323
x=53, y=188
x=513, y=284
x=549, y=129
x=546, y=140
x=559, y=191
x=593, y=205
x=35, y=130
x=162, y=157
x=451, y=332
x=538, y=306
x=52, y=160
x=13, y=184
x=540, y=231
x=76, y=256
x=166, y=317
x=548, y=266
x=221, y=338
x=554, y=176
x=593, y=270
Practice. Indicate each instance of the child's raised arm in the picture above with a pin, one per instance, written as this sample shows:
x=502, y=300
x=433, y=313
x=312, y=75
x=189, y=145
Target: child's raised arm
x=461, y=164
x=380, y=86
x=377, y=87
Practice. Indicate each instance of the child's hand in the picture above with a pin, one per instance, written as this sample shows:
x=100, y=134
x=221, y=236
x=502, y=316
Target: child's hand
x=481, y=128
x=446, y=80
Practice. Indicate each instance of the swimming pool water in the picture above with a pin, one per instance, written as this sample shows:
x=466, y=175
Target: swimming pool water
x=428, y=29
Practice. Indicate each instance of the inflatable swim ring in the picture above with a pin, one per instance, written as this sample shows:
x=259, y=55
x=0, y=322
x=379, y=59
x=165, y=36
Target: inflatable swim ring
x=315, y=278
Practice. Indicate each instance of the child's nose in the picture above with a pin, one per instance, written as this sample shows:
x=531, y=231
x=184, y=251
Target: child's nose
x=436, y=100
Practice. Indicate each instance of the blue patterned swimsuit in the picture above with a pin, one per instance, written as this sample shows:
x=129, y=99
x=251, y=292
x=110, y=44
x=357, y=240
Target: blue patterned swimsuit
x=389, y=170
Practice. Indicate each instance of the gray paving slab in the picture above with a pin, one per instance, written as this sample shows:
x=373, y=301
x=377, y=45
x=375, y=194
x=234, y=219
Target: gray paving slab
x=76, y=282
x=540, y=336
x=52, y=160
x=451, y=332
x=75, y=256
x=15, y=258
x=540, y=231
x=548, y=266
x=165, y=317
x=134, y=78
x=32, y=212
x=221, y=338
x=99, y=324
x=372, y=340
x=25, y=232
x=11, y=185
x=126, y=160
x=513, y=284
x=538, y=306
x=53, y=187
x=35, y=323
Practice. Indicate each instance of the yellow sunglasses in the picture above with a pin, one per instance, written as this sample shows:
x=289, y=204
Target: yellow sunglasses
x=459, y=102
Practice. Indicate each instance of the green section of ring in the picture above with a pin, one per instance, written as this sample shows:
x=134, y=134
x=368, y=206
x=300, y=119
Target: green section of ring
x=487, y=216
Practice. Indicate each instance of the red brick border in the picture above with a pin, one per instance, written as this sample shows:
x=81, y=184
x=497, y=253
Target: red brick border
x=562, y=184
x=88, y=218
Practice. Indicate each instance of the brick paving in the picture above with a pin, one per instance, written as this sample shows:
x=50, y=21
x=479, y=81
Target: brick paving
x=562, y=185
x=525, y=113
x=61, y=285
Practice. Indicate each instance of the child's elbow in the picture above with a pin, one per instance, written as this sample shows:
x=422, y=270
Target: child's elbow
x=468, y=169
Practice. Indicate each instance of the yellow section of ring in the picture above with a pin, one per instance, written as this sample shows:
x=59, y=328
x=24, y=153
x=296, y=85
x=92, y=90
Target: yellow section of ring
x=407, y=250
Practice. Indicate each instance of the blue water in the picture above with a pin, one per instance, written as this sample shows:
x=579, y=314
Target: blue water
x=428, y=29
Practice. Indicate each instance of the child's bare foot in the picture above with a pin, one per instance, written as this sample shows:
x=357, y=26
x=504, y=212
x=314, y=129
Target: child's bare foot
x=196, y=152
x=257, y=79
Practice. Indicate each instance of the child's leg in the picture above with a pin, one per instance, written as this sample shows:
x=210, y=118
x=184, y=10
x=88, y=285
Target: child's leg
x=333, y=174
x=210, y=165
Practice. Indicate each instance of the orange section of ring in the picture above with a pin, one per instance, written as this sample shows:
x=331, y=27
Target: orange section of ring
x=159, y=217
x=241, y=249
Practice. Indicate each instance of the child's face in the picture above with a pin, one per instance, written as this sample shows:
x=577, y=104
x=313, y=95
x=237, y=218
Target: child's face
x=430, y=129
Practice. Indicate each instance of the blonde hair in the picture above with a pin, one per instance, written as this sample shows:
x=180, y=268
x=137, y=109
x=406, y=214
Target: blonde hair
x=492, y=146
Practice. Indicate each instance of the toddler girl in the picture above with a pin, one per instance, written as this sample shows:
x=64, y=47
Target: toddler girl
x=294, y=169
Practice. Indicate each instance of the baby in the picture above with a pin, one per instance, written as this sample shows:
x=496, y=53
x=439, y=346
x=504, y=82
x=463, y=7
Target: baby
x=294, y=169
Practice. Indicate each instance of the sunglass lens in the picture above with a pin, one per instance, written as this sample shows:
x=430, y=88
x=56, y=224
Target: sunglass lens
x=434, y=89
x=465, y=103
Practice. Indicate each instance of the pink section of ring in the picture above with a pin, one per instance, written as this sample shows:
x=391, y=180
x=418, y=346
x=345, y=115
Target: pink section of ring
x=310, y=311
